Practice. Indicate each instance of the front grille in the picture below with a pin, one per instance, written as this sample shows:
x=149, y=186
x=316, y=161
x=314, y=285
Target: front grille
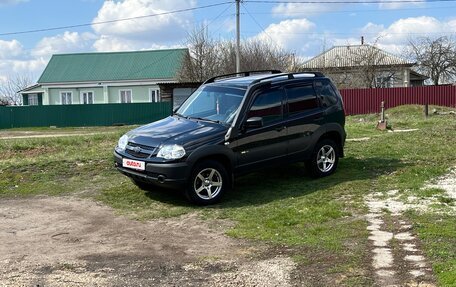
x=137, y=154
x=141, y=146
x=143, y=152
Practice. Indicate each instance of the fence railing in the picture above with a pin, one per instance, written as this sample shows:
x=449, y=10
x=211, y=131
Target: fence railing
x=356, y=101
x=82, y=115
x=366, y=101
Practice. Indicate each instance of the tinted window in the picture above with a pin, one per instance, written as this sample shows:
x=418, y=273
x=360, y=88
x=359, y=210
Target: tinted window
x=267, y=105
x=326, y=91
x=301, y=99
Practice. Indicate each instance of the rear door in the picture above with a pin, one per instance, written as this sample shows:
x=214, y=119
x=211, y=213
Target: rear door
x=258, y=146
x=304, y=117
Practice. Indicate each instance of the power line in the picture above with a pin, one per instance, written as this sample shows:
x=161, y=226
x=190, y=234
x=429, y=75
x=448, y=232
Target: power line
x=113, y=21
x=261, y=27
x=344, y=1
x=186, y=41
x=350, y=11
x=364, y=33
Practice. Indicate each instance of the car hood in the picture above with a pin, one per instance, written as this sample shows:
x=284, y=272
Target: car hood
x=177, y=130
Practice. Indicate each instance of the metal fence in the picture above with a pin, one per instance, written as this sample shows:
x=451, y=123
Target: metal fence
x=366, y=101
x=82, y=115
x=357, y=101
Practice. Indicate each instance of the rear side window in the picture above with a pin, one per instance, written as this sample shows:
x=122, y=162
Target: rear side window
x=301, y=99
x=267, y=105
x=327, y=93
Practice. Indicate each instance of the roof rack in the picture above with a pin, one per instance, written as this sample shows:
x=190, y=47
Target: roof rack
x=242, y=74
x=289, y=75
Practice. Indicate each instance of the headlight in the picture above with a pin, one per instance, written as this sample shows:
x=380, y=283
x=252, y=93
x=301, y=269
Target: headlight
x=171, y=152
x=123, y=141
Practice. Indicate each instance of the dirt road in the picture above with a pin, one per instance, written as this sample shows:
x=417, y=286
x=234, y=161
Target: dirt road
x=67, y=241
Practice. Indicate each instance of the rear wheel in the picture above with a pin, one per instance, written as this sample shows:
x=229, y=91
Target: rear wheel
x=208, y=182
x=325, y=158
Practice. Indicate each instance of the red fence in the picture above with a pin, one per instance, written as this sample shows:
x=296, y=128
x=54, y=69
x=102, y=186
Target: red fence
x=366, y=101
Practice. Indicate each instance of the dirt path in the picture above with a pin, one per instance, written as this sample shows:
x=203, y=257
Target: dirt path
x=397, y=257
x=65, y=241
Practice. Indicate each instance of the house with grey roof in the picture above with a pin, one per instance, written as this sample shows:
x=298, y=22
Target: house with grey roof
x=365, y=66
x=113, y=77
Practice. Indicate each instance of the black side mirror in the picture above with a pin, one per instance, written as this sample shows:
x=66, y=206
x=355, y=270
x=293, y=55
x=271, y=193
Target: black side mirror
x=254, y=123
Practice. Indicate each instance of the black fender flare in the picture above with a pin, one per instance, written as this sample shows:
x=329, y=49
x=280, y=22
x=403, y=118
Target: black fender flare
x=211, y=151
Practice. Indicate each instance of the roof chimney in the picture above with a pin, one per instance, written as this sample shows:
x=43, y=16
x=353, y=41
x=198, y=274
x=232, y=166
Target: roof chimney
x=362, y=40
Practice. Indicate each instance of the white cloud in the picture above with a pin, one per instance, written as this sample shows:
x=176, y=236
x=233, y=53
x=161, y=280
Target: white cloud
x=298, y=9
x=163, y=29
x=114, y=44
x=288, y=34
x=11, y=2
x=396, y=37
x=32, y=67
x=64, y=43
x=10, y=49
x=398, y=4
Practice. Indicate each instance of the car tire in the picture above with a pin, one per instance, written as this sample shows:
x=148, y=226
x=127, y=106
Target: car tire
x=208, y=182
x=324, y=160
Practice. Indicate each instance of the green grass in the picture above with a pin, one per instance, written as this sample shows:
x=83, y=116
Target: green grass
x=320, y=219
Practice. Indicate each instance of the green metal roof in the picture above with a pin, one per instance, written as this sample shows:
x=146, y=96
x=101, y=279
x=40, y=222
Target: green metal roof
x=113, y=66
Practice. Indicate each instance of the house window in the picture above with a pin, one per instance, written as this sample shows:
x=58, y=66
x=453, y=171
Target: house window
x=385, y=82
x=125, y=96
x=66, y=98
x=154, y=95
x=86, y=98
x=33, y=100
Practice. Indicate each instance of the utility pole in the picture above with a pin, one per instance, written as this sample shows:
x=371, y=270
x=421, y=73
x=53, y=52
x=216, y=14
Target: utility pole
x=238, y=38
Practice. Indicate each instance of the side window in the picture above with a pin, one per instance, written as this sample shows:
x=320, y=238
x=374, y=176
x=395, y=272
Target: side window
x=301, y=98
x=327, y=93
x=267, y=105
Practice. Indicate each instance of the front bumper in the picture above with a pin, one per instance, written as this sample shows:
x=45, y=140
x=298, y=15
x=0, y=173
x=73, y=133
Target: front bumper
x=168, y=175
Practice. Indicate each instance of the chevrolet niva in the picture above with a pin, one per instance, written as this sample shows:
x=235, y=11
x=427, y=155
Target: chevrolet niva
x=234, y=124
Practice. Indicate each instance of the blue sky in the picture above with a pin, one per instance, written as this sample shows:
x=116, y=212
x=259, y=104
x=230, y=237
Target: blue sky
x=305, y=29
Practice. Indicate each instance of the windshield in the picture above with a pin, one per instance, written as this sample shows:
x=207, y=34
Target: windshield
x=213, y=103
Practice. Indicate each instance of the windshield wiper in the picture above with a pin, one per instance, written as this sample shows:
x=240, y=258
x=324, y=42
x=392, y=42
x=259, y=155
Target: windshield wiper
x=204, y=119
x=180, y=115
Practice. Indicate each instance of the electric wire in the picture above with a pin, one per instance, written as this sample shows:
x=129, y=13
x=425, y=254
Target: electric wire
x=345, y=1
x=113, y=21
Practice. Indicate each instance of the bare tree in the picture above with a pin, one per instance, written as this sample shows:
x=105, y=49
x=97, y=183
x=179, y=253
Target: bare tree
x=436, y=58
x=202, y=61
x=208, y=58
x=9, y=88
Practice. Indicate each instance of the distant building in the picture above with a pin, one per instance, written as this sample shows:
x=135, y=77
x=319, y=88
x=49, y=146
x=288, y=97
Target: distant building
x=365, y=66
x=114, y=77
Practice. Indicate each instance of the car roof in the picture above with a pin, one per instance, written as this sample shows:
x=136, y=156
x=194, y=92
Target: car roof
x=244, y=82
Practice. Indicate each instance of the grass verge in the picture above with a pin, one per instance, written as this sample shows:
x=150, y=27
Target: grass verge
x=321, y=220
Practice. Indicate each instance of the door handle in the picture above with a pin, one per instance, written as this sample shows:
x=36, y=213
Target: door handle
x=279, y=129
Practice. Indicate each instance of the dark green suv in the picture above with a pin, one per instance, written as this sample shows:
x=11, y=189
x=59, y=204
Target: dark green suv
x=234, y=124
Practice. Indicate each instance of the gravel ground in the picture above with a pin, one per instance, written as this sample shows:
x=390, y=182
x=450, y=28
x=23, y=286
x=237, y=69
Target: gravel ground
x=67, y=241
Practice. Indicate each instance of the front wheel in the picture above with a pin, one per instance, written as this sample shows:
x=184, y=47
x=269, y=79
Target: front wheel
x=208, y=182
x=324, y=159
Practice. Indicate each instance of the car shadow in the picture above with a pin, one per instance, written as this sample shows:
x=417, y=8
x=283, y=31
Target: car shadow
x=288, y=181
x=293, y=181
